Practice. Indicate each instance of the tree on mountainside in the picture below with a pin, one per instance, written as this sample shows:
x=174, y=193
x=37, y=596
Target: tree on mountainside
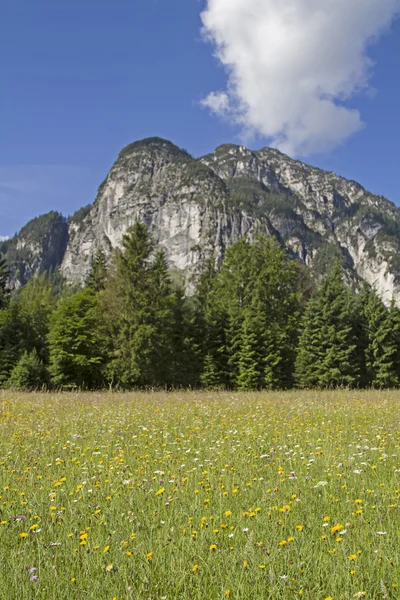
x=99, y=271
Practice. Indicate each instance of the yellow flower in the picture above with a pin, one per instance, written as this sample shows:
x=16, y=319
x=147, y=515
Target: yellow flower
x=73, y=579
x=299, y=527
x=261, y=566
x=228, y=513
x=290, y=539
x=213, y=547
x=106, y=549
x=195, y=568
x=245, y=564
x=161, y=491
x=128, y=553
x=149, y=556
x=228, y=593
x=336, y=528
x=352, y=572
x=283, y=543
x=109, y=568
x=23, y=535
x=353, y=557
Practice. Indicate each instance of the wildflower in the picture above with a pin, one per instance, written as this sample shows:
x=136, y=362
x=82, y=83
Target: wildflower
x=245, y=564
x=106, y=549
x=353, y=557
x=23, y=535
x=109, y=568
x=161, y=491
x=213, y=547
x=283, y=543
x=299, y=527
x=195, y=568
x=336, y=528
x=149, y=556
x=261, y=566
x=228, y=593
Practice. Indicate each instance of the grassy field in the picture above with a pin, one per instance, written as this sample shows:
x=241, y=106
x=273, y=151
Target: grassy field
x=200, y=496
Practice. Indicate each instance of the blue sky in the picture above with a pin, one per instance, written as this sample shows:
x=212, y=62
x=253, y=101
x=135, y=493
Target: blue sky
x=79, y=79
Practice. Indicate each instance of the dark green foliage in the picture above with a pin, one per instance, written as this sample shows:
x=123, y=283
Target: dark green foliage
x=12, y=343
x=99, y=272
x=75, y=352
x=378, y=340
x=80, y=215
x=257, y=323
x=139, y=332
x=4, y=274
x=327, y=352
x=29, y=373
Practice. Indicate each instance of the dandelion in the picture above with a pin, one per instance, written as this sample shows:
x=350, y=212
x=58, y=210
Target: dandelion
x=23, y=535
x=213, y=547
x=106, y=549
x=195, y=568
x=161, y=491
x=149, y=556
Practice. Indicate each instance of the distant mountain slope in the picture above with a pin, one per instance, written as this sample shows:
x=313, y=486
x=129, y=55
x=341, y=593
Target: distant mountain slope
x=197, y=207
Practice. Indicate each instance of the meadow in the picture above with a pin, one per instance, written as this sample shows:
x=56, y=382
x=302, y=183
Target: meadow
x=200, y=495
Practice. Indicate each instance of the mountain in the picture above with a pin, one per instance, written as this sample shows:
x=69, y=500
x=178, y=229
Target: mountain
x=195, y=207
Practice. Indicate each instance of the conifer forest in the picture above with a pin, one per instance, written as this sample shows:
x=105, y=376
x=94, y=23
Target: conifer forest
x=260, y=321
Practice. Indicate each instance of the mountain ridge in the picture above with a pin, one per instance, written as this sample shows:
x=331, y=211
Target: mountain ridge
x=197, y=207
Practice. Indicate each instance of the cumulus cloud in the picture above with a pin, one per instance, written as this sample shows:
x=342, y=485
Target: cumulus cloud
x=292, y=65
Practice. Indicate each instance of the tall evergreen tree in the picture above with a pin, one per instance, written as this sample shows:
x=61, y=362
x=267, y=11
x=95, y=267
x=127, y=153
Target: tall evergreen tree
x=99, y=271
x=327, y=352
x=4, y=274
x=141, y=345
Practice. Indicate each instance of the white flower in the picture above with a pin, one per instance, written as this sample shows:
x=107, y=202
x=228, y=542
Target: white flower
x=381, y=532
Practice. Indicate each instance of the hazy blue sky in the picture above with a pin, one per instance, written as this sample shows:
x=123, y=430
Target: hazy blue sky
x=79, y=79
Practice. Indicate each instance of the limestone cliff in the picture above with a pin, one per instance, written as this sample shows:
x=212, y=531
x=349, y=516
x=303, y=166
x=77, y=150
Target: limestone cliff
x=194, y=207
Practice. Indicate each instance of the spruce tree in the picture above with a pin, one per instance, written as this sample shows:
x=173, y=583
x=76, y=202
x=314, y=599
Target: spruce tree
x=138, y=306
x=327, y=351
x=99, y=271
x=4, y=274
x=29, y=373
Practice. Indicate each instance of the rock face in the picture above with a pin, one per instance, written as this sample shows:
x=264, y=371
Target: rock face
x=197, y=207
x=40, y=246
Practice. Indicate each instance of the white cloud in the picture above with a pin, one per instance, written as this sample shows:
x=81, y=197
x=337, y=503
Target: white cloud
x=292, y=65
x=3, y=238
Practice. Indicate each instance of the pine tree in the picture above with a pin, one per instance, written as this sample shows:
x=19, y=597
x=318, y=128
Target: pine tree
x=29, y=373
x=250, y=360
x=98, y=275
x=12, y=343
x=142, y=303
x=75, y=352
x=260, y=283
x=327, y=351
x=209, y=330
x=4, y=274
x=377, y=343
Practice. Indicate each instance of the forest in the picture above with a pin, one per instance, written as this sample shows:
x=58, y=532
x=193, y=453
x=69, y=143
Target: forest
x=260, y=321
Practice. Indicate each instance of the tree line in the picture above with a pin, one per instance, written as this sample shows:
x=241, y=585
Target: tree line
x=257, y=322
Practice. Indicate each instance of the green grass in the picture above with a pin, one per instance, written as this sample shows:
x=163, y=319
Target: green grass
x=121, y=495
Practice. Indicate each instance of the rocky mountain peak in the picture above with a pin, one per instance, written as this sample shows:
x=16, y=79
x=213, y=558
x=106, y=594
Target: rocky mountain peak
x=198, y=207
